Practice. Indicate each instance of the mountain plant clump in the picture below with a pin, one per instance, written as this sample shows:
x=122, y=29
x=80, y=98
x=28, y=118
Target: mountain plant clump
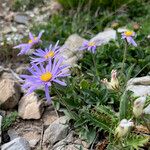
x=98, y=109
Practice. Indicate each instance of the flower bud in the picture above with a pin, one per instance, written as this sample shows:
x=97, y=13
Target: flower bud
x=114, y=83
x=138, y=106
x=123, y=128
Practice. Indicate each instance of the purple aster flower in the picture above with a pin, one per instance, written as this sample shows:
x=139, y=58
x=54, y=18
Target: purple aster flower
x=25, y=47
x=89, y=45
x=128, y=35
x=44, y=76
x=45, y=55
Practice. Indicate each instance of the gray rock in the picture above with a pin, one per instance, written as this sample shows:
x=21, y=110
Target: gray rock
x=104, y=37
x=0, y=128
x=21, y=18
x=12, y=134
x=61, y=145
x=30, y=107
x=75, y=147
x=9, y=93
x=71, y=49
x=16, y=144
x=56, y=131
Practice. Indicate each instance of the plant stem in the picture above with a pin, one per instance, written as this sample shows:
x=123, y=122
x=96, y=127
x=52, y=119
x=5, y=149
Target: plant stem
x=124, y=58
x=95, y=66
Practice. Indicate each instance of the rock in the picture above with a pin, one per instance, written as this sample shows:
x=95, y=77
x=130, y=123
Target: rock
x=71, y=61
x=71, y=48
x=16, y=144
x=104, y=37
x=21, y=18
x=32, y=137
x=75, y=147
x=9, y=93
x=22, y=69
x=139, y=90
x=9, y=17
x=139, y=86
x=61, y=145
x=84, y=144
x=0, y=128
x=139, y=81
x=49, y=116
x=30, y=107
x=56, y=131
x=12, y=134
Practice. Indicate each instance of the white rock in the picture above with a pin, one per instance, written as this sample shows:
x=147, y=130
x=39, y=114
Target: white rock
x=30, y=107
x=139, y=90
x=140, y=86
x=139, y=81
x=56, y=131
x=9, y=93
x=16, y=144
x=104, y=37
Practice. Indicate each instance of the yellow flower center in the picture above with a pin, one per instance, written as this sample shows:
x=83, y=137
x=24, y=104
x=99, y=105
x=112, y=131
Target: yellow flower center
x=46, y=76
x=30, y=41
x=91, y=43
x=128, y=33
x=49, y=55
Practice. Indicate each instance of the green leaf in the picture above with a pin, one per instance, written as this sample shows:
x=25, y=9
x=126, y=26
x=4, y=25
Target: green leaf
x=137, y=141
x=123, y=106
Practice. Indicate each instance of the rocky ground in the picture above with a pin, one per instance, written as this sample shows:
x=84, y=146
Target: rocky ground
x=15, y=25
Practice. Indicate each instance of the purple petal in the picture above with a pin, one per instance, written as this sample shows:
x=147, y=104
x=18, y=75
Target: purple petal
x=133, y=42
x=60, y=82
x=40, y=34
x=31, y=36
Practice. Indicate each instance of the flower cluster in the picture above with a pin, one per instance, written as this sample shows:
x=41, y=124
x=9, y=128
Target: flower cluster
x=123, y=128
x=46, y=67
x=138, y=107
x=114, y=83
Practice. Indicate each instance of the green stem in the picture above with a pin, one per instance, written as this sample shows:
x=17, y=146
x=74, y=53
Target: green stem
x=95, y=66
x=124, y=58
